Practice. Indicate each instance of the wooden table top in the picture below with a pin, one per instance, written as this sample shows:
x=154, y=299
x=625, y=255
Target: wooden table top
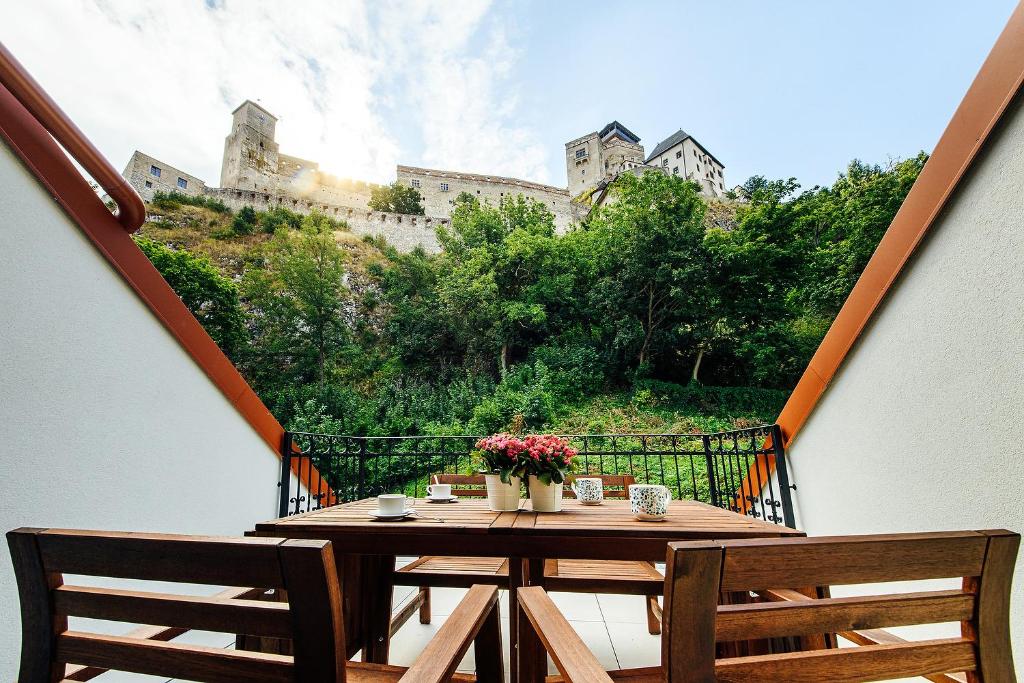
x=470, y=528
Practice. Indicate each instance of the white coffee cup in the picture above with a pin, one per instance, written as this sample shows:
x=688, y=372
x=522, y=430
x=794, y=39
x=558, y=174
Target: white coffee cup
x=649, y=502
x=588, y=490
x=391, y=503
x=439, y=491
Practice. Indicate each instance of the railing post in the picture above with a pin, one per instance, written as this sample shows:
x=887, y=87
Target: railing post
x=362, y=467
x=788, y=518
x=286, y=474
x=712, y=481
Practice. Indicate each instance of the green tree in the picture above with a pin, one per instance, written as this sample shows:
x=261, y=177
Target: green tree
x=212, y=297
x=244, y=222
x=300, y=307
x=396, y=198
x=654, y=279
x=501, y=275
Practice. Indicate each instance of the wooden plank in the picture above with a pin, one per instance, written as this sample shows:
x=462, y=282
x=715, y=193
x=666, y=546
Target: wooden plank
x=776, y=619
x=172, y=660
x=314, y=598
x=880, y=637
x=571, y=656
x=871, y=663
x=851, y=560
x=991, y=627
x=692, y=573
x=378, y=592
x=162, y=557
x=440, y=658
x=39, y=626
x=213, y=613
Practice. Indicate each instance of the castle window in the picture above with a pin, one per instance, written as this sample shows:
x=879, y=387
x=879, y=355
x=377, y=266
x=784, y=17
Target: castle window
x=679, y=153
x=675, y=170
x=580, y=153
x=182, y=183
x=149, y=184
x=154, y=171
x=664, y=162
x=444, y=187
x=415, y=182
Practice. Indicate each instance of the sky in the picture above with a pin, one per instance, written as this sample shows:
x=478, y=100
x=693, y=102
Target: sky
x=793, y=88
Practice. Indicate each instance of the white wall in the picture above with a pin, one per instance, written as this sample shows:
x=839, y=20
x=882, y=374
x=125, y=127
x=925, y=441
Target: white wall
x=923, y=426
x=105, y=421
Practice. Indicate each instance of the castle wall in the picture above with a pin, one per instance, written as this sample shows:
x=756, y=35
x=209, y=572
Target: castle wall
x=440, y=188
x=403, y=232
x=140, y=175
x=583, y=164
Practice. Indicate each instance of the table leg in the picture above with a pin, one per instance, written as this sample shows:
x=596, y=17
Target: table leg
x=378, y=583
x=533, y=660
x=516, y=579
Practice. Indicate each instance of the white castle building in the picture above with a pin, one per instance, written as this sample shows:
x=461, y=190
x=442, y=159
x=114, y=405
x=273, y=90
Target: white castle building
x=254, y=172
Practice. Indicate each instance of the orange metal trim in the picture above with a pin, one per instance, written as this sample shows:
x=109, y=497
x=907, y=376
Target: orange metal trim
x=993, y=89
x=27, y=135
x=131, y=212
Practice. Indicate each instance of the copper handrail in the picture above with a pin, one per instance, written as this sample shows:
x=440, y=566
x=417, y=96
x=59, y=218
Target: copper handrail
x=130, y=210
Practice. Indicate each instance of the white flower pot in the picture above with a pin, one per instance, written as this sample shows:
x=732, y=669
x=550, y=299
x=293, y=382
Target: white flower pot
x=502, y=497
x=545, y=497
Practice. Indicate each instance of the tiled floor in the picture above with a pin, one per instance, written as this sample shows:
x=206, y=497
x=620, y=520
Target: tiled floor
x=613, y=626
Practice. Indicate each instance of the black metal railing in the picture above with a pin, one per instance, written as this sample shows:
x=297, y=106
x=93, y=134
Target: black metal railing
x=743, y=470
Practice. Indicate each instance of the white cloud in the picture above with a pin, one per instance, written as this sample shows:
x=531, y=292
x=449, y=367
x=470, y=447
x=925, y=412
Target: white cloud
x=163, y=78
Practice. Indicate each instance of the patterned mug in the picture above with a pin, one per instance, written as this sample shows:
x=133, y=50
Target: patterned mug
x=649, y=502
x=588, y=490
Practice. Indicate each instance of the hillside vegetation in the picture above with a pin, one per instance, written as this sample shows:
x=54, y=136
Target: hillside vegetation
x=661, y=314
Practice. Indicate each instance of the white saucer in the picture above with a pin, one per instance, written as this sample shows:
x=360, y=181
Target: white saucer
x=449, y=499
x=377, y=514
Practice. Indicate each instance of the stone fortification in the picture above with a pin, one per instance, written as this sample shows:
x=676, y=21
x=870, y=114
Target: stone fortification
x=440, y=188
x=254, y=172
x=402, y=231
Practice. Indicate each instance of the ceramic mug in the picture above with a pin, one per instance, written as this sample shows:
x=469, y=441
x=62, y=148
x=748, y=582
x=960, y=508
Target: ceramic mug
x=649, y=502
x=440, y=491
x=391, y=503
x=588, y=490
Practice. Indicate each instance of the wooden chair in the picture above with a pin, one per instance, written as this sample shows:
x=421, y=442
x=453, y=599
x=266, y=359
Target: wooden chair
x=311, y=618
x=697, y=626
x=571, y=576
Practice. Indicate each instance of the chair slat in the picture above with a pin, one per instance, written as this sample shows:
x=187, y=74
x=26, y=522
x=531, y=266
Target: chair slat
x=249, y=617
x=176, y=660
x=182, y=559
x=851, y=560
x=871, y=663
x=775, y=619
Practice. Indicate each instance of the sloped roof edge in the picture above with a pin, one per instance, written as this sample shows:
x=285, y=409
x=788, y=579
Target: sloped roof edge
x=32, y=143
x=994, y=88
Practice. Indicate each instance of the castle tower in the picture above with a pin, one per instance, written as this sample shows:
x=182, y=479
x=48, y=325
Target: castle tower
x=250, y=153
x=600, y=155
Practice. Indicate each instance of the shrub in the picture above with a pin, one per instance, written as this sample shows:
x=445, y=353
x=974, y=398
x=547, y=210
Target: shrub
x=172, y=200
x=245, y=221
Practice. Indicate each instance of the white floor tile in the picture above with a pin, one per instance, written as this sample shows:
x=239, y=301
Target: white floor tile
x=629, y=609
x=577, y=606
x=634, y=646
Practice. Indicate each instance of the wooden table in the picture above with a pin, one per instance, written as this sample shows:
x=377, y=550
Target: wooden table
x=366, y=550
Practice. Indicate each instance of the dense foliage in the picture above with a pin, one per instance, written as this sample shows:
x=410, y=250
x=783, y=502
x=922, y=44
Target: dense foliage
x=396, y=198
x=662, y=311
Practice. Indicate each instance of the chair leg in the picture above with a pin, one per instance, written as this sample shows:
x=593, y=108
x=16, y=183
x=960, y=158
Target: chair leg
x=425, y=605
x=653, y=615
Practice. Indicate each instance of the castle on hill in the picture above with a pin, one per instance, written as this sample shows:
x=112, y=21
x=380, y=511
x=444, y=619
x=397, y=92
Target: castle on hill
x=254, y=172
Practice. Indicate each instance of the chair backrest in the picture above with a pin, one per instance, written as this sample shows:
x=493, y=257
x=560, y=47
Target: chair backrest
x=473, y=485
x=702, y=577
x=616, y=486
x=463, y=485
x=305, y=569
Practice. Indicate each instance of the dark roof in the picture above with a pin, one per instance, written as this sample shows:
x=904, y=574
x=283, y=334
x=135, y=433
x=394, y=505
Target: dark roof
x=626, y=132
x=673, y=140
